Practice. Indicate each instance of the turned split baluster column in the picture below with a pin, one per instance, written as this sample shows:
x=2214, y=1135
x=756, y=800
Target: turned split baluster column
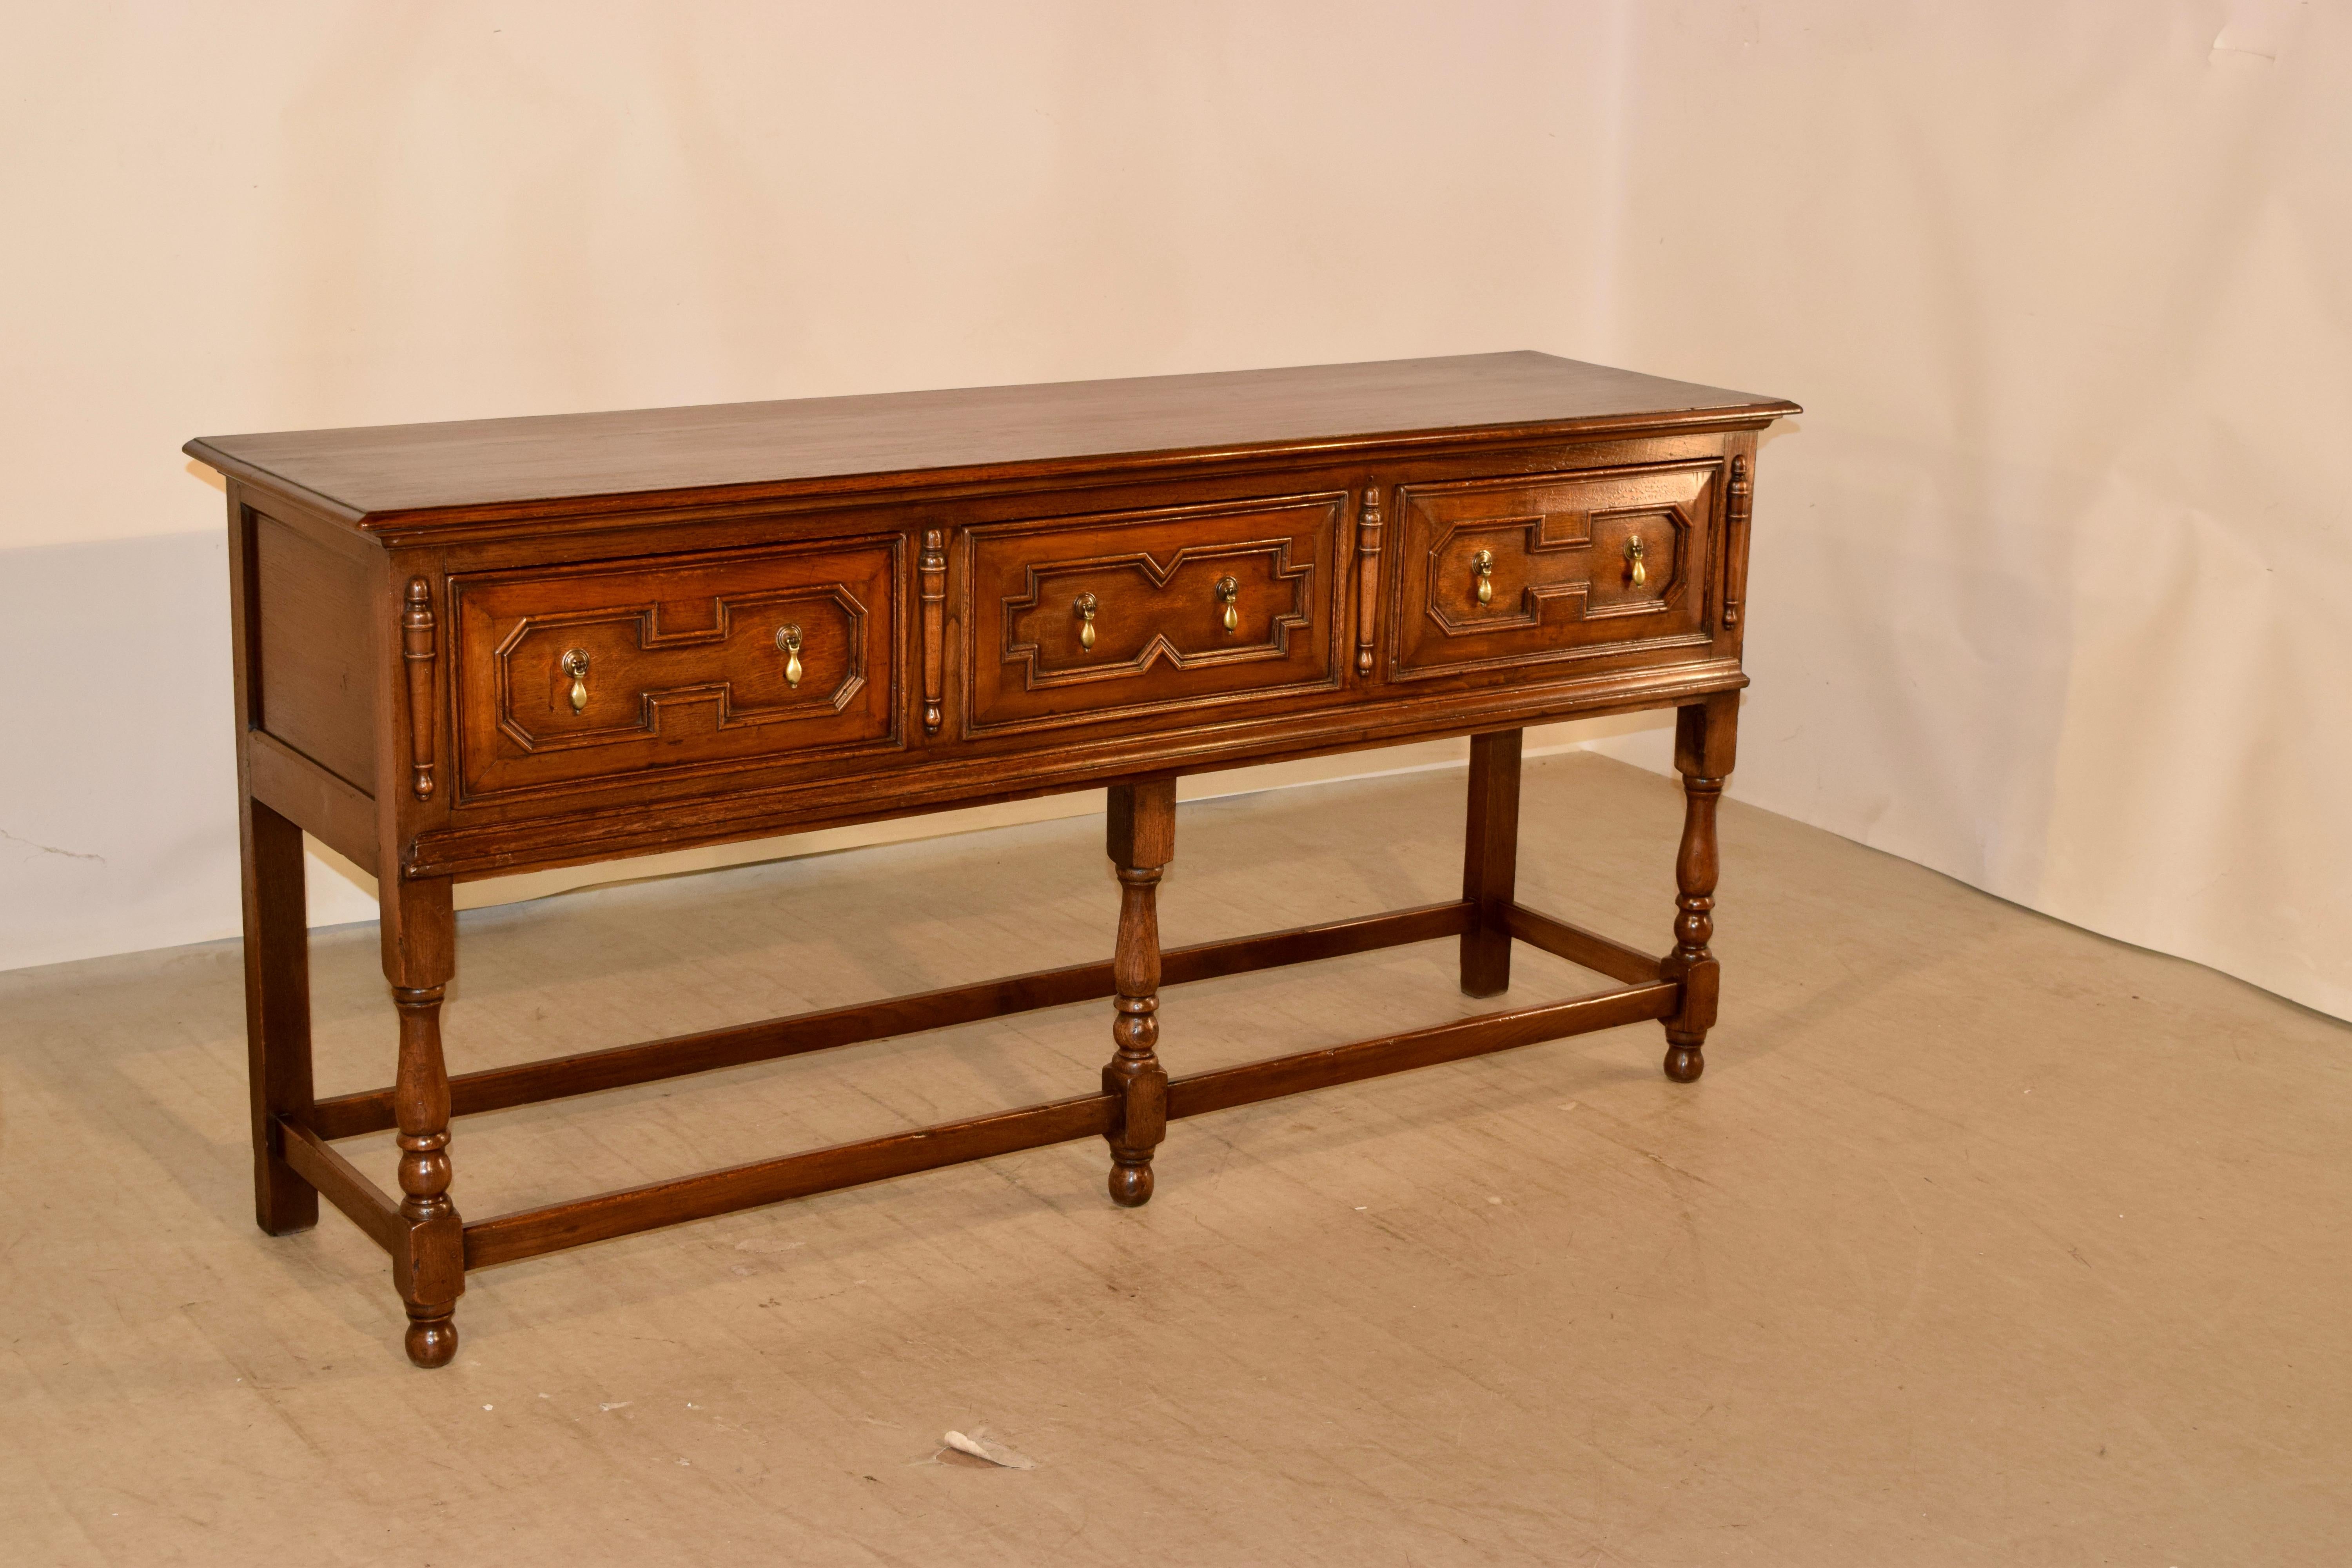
x=1703, y=755
x=1142, y=841
x=428, y=1260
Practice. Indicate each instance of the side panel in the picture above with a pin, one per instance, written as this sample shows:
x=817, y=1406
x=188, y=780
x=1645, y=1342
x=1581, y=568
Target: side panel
x=313, y=686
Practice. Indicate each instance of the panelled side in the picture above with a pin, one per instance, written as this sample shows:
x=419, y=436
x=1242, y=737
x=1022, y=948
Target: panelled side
x=313, y=685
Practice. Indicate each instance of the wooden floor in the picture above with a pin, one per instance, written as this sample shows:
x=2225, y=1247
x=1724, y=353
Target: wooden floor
x=1982, y=1241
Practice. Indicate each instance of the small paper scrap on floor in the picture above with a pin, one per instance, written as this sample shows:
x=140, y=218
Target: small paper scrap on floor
x=994, y=1453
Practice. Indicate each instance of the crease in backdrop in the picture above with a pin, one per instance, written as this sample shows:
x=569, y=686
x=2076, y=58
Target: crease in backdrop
x=2050, y=581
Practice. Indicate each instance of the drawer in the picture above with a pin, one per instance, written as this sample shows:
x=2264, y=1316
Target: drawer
x=580, y=674
x=1082, y=619
x=1573, y=567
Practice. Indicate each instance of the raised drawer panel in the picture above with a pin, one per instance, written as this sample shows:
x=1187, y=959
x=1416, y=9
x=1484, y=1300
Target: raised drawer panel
x=1526, y=572
x=1089, y=618
x=584, y=674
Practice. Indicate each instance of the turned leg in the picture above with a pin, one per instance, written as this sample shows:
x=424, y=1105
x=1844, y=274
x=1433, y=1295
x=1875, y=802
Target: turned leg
x=276, y=1013
x=1703, y=755
x=1490, y=860
x=429, y=1265
x=1141, y=840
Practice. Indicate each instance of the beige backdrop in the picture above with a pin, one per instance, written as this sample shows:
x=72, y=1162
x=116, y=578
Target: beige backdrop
x=2050, y=581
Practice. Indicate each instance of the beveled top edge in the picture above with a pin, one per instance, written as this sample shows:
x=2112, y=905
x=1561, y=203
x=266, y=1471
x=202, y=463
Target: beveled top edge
x=472, y=466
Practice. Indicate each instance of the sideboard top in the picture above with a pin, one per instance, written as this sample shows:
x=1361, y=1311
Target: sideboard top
x=467, y=468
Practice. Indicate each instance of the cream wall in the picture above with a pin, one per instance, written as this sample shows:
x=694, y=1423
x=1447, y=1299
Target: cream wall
x=2048, y=579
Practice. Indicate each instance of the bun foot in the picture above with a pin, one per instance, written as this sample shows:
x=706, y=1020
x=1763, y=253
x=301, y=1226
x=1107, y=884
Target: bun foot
x=1130, y=1185
x=432, y=1341
x=1683, y=1063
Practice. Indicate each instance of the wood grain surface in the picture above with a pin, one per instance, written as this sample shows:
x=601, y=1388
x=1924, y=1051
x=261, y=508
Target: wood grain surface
x=472, y=649
x=397, y=468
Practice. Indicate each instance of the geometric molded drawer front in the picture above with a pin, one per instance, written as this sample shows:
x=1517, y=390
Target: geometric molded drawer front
x=578, y=674
x=1081, y=619
x=1554, y=569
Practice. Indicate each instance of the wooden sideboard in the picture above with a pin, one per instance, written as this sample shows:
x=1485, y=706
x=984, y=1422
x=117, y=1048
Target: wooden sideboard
x=469, y=649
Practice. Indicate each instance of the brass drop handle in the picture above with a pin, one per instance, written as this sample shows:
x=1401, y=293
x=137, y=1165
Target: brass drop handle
x=1229, y=594
x=788, y=640
x=1085, y=605
x=1633, y=554
x=575, y=665
x=1483, y=565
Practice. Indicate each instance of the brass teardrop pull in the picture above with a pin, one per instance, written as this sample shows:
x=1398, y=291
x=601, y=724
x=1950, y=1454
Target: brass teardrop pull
x=575, y=665
x=788, y=640
x=1229, y=592
x=1633, y=554
x=1483, y=565
x=1085, y=605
